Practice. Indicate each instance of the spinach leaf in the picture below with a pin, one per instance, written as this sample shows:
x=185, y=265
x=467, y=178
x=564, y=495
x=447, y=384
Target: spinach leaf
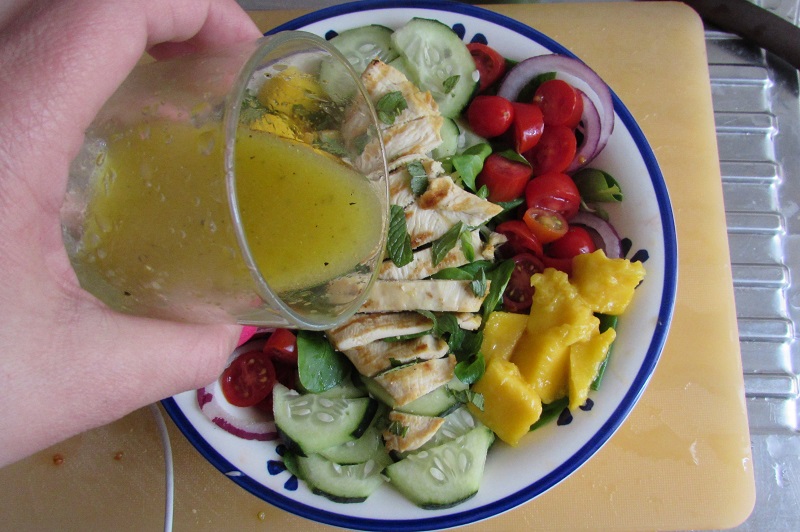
x=319, y=366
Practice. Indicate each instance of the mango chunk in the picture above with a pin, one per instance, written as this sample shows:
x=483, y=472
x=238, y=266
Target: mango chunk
x=511, y=405
x=501, y=333
x=607, y=285
x=559, y=318
x=292, y=93
x=584, y=362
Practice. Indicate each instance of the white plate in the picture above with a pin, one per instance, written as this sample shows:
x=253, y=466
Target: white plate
x=550, y=454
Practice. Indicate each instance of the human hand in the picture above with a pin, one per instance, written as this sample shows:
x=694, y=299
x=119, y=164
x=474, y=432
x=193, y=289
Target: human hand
x=67, y=362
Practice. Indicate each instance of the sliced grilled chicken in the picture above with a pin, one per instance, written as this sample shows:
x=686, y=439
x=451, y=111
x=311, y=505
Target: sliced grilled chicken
x=363, y=329
x=417, y=430
x=422, y=264
x=434, y=295
x=469, y=321
x=406, y=383
x=372, y=358
x=443, y=205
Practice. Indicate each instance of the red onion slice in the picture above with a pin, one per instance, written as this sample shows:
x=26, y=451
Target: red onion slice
x=573, y=71
x=590, y=129
x=606, y=237
x=246, y=423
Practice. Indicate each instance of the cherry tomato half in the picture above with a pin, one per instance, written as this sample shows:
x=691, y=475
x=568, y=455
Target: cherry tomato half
x=528, y=126
x=554, y=191
x=564, y=265
x=490, y=116
x=505, y=179
x=560, y=102
x=555, y=150
x=490, y=64
x=282, y=345
x=575, y=241
x=518, y=295
x=249, y=379
x=546, y=225
x=520, y=238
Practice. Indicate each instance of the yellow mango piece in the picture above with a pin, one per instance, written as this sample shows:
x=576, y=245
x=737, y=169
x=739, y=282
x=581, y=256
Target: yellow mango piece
x=584, y=362
x=558, y=319
x=292, y=93
x=274, y=124
x=501, y=333
x=511, y=405
x=607, y=285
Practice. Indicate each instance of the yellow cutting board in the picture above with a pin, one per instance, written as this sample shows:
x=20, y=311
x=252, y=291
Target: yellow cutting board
x=681, y=461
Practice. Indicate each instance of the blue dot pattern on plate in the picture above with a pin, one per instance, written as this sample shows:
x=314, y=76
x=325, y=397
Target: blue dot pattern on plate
x=276, y=467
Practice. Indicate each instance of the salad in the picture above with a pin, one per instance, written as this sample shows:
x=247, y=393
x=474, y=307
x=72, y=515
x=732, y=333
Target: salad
x=495, y=310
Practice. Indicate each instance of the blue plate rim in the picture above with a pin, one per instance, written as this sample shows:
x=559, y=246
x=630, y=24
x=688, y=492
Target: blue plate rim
x=628, y=401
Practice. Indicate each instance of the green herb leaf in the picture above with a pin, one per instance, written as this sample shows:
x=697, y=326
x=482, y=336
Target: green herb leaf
x=527, y=92
x=469, y=164
x=319, y=366
x=445, y=326
x=515, y=157
x=470, y=371
x=597, y=186
x=419, y=177
x=466, y=245
x=398, y=243
x=483, y=192
x=251, y=109
x=498, y=278
x=607, y=321
x=468, y=396
x=453, y=274
x=550, y=411
x=390, y=105
x=442, y=245
x=450, y=83
x=398, y=429
x=478, y=285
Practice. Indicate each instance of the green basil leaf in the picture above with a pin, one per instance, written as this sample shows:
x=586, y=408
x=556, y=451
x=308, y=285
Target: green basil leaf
x=597, y=186
x=442, y=245
x=470, y=371
x=453, y=274
x=398, y=429
x=470, y=163
x=551, y=411
x=482, y=192
x=319, y=366
x=515, y=157
x=466, y=245
x=398, y=243
x=419, y=177
x=498, y=278
x=527, y=92
x=390, y=105
x=478, y=285
x=450, y=83
x=468, y=396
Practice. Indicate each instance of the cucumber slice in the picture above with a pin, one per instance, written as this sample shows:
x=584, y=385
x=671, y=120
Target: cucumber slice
x=455, y=425
x=436, y=403
x=363, y=44
x=341, y=483
x=443, y=476
x=435, y=56
x=450, y=135
x=309, y=423
x=368, y=446
x=360, y=46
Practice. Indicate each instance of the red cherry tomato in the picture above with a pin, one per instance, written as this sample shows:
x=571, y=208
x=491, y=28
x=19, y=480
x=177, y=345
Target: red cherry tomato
x=575, y=241
x=249, y=379
x=282, y=345
x=560, y=103
x=546, y=225
x=554, y=191
x=519, y=292
x=520, y=238
x=489, y=63
x=490, y=116
x=555, y=150
x=505, y=179
x=564, y=265
x=528, y=126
